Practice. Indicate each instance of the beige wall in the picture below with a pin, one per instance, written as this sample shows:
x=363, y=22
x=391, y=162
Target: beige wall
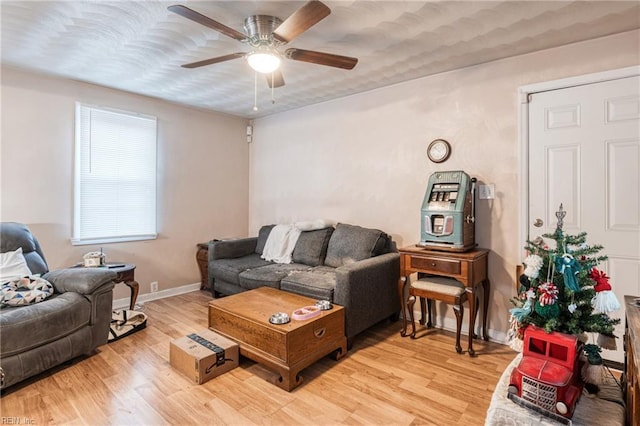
x=361, y=159
x=203, y=170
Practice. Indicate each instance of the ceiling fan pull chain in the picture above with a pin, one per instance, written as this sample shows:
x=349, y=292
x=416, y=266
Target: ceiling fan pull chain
x=273, y=86
x=255, y=91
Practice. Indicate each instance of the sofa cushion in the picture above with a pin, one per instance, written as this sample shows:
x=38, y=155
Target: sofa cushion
x=350, y=243
x=318, y=283
x=263, y=234
x=311, y=247
x=229, y=269
x=27, y=327
x=269, y=276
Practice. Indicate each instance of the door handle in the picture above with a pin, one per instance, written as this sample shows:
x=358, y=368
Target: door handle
x=538, y=223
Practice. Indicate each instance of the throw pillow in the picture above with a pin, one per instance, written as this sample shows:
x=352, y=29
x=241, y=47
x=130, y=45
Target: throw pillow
x=312, y=225
x=263, y=234
x=311, y=247
x=350, y=243
x=13, y=265
x=25, y=291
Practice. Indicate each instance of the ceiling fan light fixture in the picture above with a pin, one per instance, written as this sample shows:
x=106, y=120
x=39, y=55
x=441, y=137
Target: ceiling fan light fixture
x=264, y=61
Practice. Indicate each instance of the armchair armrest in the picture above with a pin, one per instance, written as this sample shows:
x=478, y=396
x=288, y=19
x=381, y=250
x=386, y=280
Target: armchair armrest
x=368, y=290
x=228, y=249
x=80, y=280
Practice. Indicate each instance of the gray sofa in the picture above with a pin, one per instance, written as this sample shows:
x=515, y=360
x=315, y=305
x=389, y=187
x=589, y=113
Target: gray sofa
x=71, y=322
x=357, y=268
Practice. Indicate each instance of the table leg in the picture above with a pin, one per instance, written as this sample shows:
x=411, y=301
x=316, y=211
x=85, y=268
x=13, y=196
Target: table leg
x=135, y=287
x=423, y=312
x=412, y=301
x=402, y=283
x=288, y=379
x=429, y=304
x=472, y=316
x=459, y=311
x=486, y=286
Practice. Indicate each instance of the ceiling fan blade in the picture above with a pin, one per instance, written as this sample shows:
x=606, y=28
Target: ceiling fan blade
x=207, y=22
x=275, y=79
x=301, y=20
x=321, y=58
x=214, y=60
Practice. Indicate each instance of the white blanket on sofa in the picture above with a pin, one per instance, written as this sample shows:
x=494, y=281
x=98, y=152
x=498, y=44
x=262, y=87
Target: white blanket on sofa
x=283, y=238
x=280, y=244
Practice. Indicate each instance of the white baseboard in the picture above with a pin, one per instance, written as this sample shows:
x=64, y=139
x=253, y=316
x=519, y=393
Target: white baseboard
x=148, y=297
x=445, y=323
x=449, y=324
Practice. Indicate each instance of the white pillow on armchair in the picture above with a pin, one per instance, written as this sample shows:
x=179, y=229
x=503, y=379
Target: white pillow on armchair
x=13, y=265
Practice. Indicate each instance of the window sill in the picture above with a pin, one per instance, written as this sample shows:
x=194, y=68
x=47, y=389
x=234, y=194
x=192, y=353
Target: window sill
x=107, y=240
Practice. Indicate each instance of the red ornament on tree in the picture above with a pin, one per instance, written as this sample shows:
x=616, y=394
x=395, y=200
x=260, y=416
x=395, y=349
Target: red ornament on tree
x=604, y=301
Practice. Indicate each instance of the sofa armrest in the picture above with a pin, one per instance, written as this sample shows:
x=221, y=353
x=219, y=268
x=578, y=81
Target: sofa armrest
x=368, y=290
x=228, y=249
x=81, y=280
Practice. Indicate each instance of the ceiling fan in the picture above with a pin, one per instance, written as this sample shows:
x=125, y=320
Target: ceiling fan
x=265, y=34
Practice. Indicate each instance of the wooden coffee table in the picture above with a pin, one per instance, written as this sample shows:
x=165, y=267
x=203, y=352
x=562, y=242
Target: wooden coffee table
x=286, y=348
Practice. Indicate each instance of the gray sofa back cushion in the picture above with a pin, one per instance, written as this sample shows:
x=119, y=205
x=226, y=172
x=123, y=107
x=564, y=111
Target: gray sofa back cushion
x=311, y=247
x=350, y=243
x=15, y=235
x=263, y=234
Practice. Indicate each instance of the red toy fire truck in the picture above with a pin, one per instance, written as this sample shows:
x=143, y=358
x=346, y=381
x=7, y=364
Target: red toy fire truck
x=548, y=378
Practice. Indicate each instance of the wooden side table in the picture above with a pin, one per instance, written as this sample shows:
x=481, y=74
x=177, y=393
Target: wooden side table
x=125, y=274
x=631, y=378
x=470, y=268
x=202, y=257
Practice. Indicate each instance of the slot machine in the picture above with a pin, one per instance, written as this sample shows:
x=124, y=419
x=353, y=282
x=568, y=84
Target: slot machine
x=448, y=212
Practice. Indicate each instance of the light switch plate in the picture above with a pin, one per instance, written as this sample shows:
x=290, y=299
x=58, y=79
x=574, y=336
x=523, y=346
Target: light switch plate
x=487, y=192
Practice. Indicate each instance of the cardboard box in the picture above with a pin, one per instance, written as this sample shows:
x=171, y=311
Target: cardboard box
x=203, y=355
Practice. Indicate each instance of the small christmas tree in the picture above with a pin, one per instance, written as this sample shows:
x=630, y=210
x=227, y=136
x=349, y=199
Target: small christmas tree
x=562, y=290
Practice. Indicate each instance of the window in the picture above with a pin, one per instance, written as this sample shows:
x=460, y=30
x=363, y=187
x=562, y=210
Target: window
x=538, y=346
x=115, y=176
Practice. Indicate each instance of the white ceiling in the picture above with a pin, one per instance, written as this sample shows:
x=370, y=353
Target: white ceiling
x=138, y=46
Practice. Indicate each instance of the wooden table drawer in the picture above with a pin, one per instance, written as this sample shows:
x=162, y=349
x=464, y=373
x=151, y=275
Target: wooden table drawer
x=247, y=332
x=436, y=265
x=313, y=337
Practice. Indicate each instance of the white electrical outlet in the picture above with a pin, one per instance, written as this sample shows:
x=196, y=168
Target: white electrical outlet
x=487, y=192
x=154, y=286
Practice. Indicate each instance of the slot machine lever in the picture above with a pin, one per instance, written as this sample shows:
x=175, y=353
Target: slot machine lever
x=472, y=218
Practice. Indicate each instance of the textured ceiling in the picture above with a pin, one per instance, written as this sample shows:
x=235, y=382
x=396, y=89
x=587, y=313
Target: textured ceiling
x=139, y=46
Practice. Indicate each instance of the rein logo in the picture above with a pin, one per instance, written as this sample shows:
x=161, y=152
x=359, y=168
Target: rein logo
x=17, y=421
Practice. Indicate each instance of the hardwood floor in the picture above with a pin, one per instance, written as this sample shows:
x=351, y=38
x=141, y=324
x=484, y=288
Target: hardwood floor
x=384, y=379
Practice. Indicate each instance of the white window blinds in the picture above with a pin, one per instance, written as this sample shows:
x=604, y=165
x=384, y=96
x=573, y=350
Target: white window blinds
x=115, y=176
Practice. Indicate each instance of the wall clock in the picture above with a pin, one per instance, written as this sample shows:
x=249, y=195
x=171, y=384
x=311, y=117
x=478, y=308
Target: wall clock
x=439, y=150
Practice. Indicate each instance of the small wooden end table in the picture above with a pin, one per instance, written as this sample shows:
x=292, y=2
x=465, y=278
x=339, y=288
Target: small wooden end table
x=125, y=274
x=631, y=377
x=202, y=258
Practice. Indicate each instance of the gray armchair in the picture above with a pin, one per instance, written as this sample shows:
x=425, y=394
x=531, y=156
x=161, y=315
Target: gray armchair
x=73, y=321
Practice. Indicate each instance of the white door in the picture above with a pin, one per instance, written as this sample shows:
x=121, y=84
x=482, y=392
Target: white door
x=584, y=152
